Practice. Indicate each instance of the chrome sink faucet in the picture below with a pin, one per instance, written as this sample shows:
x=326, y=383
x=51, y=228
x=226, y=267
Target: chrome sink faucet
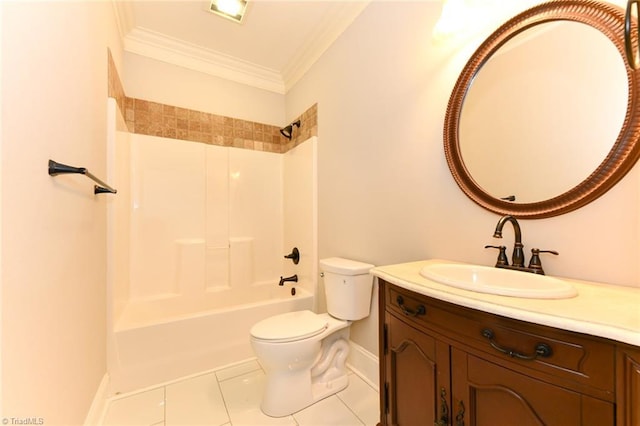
x=517, y=258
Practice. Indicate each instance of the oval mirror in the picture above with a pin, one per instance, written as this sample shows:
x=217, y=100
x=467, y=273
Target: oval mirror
x=543, y=117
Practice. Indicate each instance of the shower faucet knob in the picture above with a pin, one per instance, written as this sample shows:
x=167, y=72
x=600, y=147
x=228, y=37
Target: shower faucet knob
x=294, y=255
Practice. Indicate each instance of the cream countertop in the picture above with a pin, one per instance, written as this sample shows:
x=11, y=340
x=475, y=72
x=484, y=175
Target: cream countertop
x=599, y=309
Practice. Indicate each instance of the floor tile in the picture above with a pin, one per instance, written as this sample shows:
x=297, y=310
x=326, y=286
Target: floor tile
x=231, y=397
x=242, y=396
x=238, y=370
x=195, y=401
x=145, y=408
x=362, y=399
x=327, y=412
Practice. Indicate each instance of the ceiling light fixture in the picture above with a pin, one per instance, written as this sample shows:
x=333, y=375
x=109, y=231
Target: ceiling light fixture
x=230, y=9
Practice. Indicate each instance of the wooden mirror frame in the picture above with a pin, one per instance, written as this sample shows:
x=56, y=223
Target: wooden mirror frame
x=608, y=19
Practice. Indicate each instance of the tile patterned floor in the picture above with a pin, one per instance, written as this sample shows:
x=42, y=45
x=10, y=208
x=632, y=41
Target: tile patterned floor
x=231, y=397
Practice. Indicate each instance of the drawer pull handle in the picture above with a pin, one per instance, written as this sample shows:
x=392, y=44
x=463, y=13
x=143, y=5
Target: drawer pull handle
x=460, y=415
x=444, y=409
x=411, y=313
x=542, y=350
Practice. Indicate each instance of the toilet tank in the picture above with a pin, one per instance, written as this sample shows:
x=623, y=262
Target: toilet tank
x=348, y=287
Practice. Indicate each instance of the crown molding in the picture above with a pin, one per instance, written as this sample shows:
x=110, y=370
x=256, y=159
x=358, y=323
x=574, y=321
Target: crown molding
x=331, y=27
x=158, y=46
x=124, y=17
x=148, y=43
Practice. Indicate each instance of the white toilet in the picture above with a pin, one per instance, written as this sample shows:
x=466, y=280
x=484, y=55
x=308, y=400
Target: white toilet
x=304, y=353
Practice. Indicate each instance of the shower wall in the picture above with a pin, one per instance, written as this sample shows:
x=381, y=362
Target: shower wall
x=192, y=217
x=195, y=249
x=118, y=215
x=300, y=193
x=203, y=217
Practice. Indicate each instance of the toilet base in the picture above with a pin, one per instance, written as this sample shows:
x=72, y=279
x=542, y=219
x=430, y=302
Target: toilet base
x=325, y=390
x=280, y=404
x=302, y=372
x=290, y=390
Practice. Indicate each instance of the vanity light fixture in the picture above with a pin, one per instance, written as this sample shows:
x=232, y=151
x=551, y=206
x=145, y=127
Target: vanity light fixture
x=462, y=19
x=230, y=9
x=452, y=19
x=287, y=132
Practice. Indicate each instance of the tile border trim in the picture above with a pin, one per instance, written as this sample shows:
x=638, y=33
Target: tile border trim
x=157, y=119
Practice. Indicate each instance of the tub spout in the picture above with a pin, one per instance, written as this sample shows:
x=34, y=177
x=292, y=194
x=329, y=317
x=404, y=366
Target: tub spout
x=293, y=278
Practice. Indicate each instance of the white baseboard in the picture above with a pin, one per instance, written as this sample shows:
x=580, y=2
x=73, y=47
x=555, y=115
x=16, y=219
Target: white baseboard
x=364, y=364
x=96, y=411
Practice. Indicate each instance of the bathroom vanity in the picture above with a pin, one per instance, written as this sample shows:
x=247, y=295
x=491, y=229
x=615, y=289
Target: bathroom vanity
x=474, y=346
x=450, y=356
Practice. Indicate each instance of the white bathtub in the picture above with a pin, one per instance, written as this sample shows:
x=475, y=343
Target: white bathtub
x=159, y=340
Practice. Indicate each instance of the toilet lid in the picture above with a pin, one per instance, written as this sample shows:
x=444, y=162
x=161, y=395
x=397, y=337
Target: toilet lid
x=290, y=326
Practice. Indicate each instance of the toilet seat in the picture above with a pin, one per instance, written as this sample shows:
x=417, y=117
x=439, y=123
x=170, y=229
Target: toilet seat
x=289, y=327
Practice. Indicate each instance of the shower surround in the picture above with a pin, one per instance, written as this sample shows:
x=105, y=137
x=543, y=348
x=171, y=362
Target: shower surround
x=196, y=243
x=202, y=217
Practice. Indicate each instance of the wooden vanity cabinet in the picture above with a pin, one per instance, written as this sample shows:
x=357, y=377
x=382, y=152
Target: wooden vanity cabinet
x=443, y=364
x=628, y=385
x=420, y=367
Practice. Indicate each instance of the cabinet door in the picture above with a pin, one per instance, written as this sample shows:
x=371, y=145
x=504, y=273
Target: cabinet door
x=417, y=376
x=628, y=386
x=489, y=394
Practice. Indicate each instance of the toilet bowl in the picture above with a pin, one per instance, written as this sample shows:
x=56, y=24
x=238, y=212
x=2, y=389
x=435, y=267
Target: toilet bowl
x=304, y=353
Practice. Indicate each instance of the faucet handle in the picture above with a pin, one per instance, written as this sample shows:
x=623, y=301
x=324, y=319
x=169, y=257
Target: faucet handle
x=294, y=255
x=502, y=255
x=535, y=264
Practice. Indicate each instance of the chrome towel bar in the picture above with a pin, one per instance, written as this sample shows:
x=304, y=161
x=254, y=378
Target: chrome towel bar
x=59, y=168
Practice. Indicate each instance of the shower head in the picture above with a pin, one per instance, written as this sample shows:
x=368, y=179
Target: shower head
x=288, y=131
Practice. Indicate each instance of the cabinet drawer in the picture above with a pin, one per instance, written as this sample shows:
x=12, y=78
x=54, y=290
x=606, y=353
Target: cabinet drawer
x=574, y=360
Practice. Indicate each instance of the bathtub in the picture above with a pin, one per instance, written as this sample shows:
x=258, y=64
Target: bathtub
x=155, y=341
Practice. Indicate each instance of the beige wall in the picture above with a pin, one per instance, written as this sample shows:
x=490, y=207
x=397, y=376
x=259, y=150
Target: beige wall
x=54, y=80
x=153, y=80
x=1, y=143
x=385, y=192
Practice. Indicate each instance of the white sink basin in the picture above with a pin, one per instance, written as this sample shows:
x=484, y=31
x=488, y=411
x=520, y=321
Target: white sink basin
x=504, y=282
